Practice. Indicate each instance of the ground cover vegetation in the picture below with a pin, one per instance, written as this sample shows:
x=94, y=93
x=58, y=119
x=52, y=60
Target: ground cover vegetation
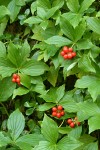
x=49, y=75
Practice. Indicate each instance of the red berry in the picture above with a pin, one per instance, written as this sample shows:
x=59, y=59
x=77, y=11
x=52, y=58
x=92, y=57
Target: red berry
x=65, y=56
x=18, y=80
x=54, y=114
x=54, y=109
x=65, y=49
x=72, y=125
x=62, y=112
x=18, y=83
x=73, y=54
x=62, y=53
x=78, y=123
x=59, y=107
x=14, y=76
x=69, y=55
x=13, y=80
x=70, y=49
x=69, y=121
x=58, y=115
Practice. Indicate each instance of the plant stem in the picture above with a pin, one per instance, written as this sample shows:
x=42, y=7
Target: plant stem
x=4, y=108
x=61, y=124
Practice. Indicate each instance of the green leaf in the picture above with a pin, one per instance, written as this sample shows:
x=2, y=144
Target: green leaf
x=50, y=95
x=79, y=31
x=20, y=2
x=58, y=40
x=49, y=130
x=6, y=86
x=16, y=124
x=54, y=94
x=14, y=10
x=45, y=106
x=76, y=132
x=85, y=5
x=86, y=139
x=6, y=67
x=34, y=68
x=23, y=146
x=33, y=7
x=4, y=140
x=3, y=26
x=73, y=18
x=17, y=55
x=14, y=55
x=51, y=12
x=41, y=12
x=67, y=143
x=29, y=139
x=44, y=4
x=25, y=50
x=69, y=106
x=4, y=11
x=20, y=91
x=60, y=92
x=84, y=44
x=2, y=50
x=33, y=20
x=98, y=14
x=67, y=28
x=88, y=109
x=58, y=3
x=73, y=5
x=52, y=75
x=90, y=82
x=94, y=123
x=65, y=130
x=46, y=146
x=25, y=80
x=71, y=66
x=29, y=111
x=85, y=64
x=94, y=24
x=91, y=146
x=5, y=3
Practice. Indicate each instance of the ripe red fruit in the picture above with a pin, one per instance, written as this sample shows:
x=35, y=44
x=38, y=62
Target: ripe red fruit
x=69, y=55
x=73, y=54
x=59, y=107
x=65, y=56
x=62, y=113
x=54, y=109
x=58, y=115
x=69, y=121
x=72, y=125
x=13, y=80
x=70, y=49
x=62, y=53
x=78, y=123
x=14, y=76
x=54, y=114
x=18, y=80
x=65, y=49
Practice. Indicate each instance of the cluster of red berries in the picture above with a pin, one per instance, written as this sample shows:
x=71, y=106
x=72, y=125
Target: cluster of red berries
x=16, y=78
x=73, y=122
x=67, y=52
x=58, y=111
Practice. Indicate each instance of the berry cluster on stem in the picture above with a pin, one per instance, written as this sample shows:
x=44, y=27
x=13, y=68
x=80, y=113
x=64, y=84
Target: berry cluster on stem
x=73, y=122
x=16, y=78
x=58, y=111
x=67, y=52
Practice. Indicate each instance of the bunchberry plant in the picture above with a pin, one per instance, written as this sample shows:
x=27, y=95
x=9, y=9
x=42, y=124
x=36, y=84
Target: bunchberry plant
x=49, y=74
